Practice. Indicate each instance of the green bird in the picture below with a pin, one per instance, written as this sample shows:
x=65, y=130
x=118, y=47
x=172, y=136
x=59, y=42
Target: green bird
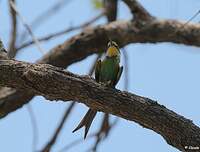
x=107, y=72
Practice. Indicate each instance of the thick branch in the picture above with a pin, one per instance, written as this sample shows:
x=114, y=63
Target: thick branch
x=124, y=32
x=94, y=41
x=55, y=84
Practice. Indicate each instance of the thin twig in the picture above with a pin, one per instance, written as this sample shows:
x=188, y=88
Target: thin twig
x=103, y=132
x=53, y=35
x=34, y=127
x=13, y=33
x=48, y=13
x=44, y=16
x=27, y=27
x=76, y=142
x=195, y=15
x=52, y=141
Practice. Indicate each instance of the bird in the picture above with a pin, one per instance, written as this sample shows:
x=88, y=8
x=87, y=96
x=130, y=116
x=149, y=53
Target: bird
x=107, y=72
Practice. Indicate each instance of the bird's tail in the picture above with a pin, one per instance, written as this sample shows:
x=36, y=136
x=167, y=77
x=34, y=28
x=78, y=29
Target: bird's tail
x=86, y=121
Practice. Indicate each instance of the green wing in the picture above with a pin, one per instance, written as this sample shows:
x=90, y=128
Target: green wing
x=97, y=70
x=120, y=70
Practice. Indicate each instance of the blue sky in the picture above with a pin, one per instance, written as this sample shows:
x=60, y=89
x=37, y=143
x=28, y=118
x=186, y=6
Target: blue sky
x=168, y=73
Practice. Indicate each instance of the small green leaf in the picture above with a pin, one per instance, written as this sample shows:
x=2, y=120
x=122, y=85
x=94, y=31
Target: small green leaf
x=97, y=4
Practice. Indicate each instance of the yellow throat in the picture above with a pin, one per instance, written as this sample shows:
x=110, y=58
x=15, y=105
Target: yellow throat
x=112, y=51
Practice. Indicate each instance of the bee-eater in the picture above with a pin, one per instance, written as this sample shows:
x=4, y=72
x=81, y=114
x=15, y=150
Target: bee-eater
x=107, y=72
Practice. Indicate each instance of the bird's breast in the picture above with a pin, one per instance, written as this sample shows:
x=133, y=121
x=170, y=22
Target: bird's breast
x=109, y=69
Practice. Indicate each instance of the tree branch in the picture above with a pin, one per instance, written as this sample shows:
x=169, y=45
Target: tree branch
x=13, y=34
x=59, y=33
x=3, y=52
x=93, y=41
x=49, y=145
x=55, y=84
x=139, y=12
x=110, y=7
x=44, y=16
x=124, y=32
x=27, y=27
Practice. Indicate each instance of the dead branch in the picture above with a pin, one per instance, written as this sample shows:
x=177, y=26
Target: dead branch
x=56, y=84
x=34, y=127
x=93, y=41
x=13, y=33
x=110, y=7
x=27, y=27
x=139, y=12
x=52, y=141
x=59, y=33
x=103, y=132
x=44, y=16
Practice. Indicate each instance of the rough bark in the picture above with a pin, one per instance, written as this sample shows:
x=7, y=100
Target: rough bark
x=93, y=41
x=56, y=84
x=124, y=32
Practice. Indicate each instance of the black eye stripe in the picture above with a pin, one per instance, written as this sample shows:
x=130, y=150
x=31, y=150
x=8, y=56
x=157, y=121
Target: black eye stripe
x=115, y=45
